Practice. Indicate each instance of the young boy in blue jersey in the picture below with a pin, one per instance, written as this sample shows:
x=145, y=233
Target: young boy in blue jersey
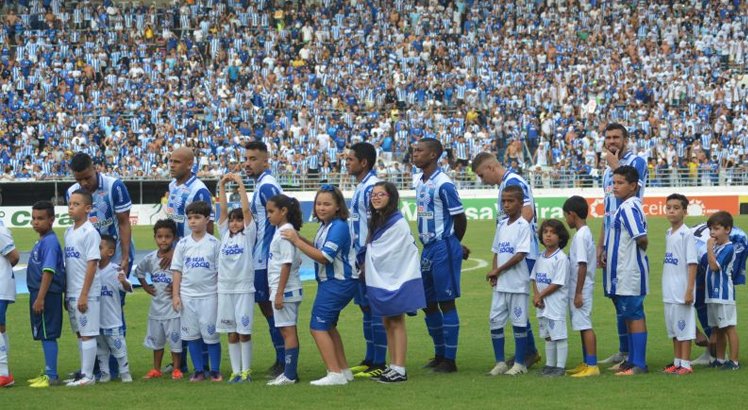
x=7, y=296
x=720, y=290
x=626, y=278
x=45, y=277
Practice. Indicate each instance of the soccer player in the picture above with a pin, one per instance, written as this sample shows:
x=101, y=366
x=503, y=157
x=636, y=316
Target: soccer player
x=8, y=260
x=441, y=227
x=627, y=267
x=360, y=161
x=195, y=282
x=617, y=152
x=236, y=276
x=550, y=277
x=581, y=284
x=678, y=284
x=510, y=279
x=45, y=277
x=720, y=290
x=491, y=172
x=111, y=340
x=266, y=187
x=83, y=292
x=163, y=320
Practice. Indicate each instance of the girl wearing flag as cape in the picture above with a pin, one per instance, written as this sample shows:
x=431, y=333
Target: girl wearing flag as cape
x=392, y=274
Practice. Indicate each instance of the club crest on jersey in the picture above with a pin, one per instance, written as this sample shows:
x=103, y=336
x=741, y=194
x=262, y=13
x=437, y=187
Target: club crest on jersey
x=517, y=311
x=681, y=325
x=245, y=320
x=211, y=329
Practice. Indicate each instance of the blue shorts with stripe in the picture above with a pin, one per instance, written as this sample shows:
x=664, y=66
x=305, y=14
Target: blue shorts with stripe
x=48, y=325
x=3, y=309
x=630, y=307
x=441, y=265
x=262, y=289
x=361, y=298
x=332, y=297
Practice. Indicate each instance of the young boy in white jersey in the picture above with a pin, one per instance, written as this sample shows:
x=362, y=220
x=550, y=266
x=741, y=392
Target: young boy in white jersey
x=550, y=277
x=511, y=282
x=236, y=275
x=8, y=260
x=678, y=284
x=83, y=287
x=583, y=262
x=163, y=320
x=627, y=276
x=195, y=286
x=111, y=341
x=720, y=290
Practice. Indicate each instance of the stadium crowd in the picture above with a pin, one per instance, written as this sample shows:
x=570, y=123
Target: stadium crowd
x=533, y=81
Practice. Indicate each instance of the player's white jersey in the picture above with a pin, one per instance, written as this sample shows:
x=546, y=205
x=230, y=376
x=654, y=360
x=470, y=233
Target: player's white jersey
x=511, y=178
x=552, y=270
x=359, y=218
x=180, y=196
x=7, y=278
x=161, y=308
x=627, y=272
x=509, y=240
x=680, y=251
x=81, y=246
x=198, y=262
x=266, y=188
x=582, y=250
x=110, y=307
x=282, y=252
x=236, y=272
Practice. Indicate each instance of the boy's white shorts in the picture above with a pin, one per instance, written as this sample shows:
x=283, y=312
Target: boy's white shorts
x=508, y=307
x=235, y=313
x=162, y=330
x=199, y=319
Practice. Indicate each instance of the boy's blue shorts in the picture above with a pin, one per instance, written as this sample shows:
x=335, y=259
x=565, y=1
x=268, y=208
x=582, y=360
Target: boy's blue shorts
x=360, y=298
x=262, y=289
x=441, y=265
x=630, y=307
x=4, y=308
x=48, y=325
x=332, y=296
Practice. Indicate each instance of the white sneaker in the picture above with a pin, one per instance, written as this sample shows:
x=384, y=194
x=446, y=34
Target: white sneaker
x=125, y=377
x=332, y=379
x=105, y=378
x=517, y=369
x=348, y=375
x=499, y=368
x=703, y=360
x=616, y=358
x=84, y=381
x=281, y=380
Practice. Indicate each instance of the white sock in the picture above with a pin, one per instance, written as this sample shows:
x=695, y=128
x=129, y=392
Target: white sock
x=562, y=352
x=4, y=354
x=685, y=364
x=399, y=369
x=550, y=353
x=676, y=362
x=235, y=355
x=246, y=348
x=88, y=357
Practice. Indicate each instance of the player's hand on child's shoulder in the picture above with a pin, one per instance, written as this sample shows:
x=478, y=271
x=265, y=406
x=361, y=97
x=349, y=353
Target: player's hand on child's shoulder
x=290, y=235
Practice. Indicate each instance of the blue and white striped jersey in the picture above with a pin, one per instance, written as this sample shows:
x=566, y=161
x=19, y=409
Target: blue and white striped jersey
x=719, y=285
x=627, y=272
x=334, y=240
x=609, y=200
x=182, y=195
x=438, y=202
x=360, y=213
x=266, y=188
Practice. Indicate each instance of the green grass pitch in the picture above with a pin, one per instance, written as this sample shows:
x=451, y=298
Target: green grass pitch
x=469, y=388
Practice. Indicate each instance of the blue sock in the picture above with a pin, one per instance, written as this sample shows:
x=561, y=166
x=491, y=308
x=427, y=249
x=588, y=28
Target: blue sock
x=531, y=348
x=277, y=338
x=380, y=340
x=435, y=325
x=196, y=351
x=497, y=340
x=214, y=353
x=292, y=361
x=185, y=349
x=703, y=319
x=369, y=337
x=451, y=333
x=206, y=355
x=590, y=359
x=520, y=344
x=113, y=367
x=639, y=351
x=50, y=358
x=623, y=334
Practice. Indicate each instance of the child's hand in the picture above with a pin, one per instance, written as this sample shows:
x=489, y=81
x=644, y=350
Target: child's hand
x=465, y=252
x=165, y=262
x=688, y=298
x=83, y=304
x=278, y=303
x=150, y=289
x=492, y=277
x=121, y=277
x=38, y=306
x=601, y=257
x=176, y=303
x=290, y=235
x=168, y=289
x=578, y=301
x=537, y=300
x=710, y=243
x=226, y=178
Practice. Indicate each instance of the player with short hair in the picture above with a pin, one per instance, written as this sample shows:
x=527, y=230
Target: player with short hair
x=45, y=278
x=83, y=294
x=111, y=341
x=8, y=260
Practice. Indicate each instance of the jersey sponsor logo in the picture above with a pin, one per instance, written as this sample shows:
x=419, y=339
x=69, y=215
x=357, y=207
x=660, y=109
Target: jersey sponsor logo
x=331, y=245
x=160, y=278
x=541, y=277
x=355, y=217
x=70, y=252
x=426, y=236
x=233, y=249
x=197, y=262
x=105, y=291
x=227, y=322
x=424, y=214
x=670, y=259
x=505, y=247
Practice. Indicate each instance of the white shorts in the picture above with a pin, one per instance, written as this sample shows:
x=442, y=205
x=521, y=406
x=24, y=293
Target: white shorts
x=161, y=330
x=581, y=319
x=288, y=316
x=114, y=345
x=199, y=319
x=85, y=324
x=680, y=321
x=235, y=313
x=502, y=304
x=721, y=315
x=553, y=329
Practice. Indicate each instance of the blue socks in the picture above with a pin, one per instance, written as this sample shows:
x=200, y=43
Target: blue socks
x=185, y=349
x=497, y=340
x=590, y=359
x=277, y=338
x=703, y=319
x=379, y=341
x=291, y=360
x=623, y=334
x=50, y=358
x=369, y=337
x=206, y=355
x=638, y=353
x=435, y=325
x=531, y=348
x=196, y=351
x=113, y=367
x=451, y=325
x=520, y=344
x=214, y=353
